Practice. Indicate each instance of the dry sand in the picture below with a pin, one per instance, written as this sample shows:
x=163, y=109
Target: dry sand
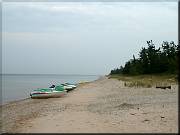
x=102, y=106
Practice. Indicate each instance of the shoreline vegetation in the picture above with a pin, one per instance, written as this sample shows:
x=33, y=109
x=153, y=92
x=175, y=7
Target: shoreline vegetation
x=147, y=81
x=154, y=68
x=163, y=60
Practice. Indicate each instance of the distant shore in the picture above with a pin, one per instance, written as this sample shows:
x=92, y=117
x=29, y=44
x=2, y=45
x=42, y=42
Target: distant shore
x=101, y=106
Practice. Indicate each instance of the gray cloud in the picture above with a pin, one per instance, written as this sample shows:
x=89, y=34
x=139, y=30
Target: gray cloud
x=81, y=38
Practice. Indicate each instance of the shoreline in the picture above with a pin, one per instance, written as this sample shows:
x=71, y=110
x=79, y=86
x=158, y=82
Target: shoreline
x=24, y=84
x=102, y=105
x=19, y=100
x=14, y=101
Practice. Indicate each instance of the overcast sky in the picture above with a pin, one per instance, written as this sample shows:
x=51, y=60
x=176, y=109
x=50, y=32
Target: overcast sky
x=81, y=38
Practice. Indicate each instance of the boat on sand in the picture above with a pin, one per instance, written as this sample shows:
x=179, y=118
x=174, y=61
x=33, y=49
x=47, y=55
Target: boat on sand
x=71, y=85
x=52, y=92
x=68, y=86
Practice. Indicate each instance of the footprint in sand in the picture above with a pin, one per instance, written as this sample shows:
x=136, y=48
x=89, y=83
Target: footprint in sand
x=146, y=120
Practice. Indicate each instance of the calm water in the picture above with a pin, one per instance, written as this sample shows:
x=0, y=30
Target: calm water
x=16, y=87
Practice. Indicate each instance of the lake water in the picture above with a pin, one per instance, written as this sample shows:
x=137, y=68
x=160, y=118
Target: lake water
x=16, y=87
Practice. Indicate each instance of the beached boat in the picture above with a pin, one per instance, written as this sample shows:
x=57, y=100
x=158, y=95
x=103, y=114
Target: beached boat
x=67, y=87
x=71, y=85
x=57, y=91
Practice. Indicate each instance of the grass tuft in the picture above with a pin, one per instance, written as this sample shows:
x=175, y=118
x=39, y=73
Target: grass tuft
x=146, y=81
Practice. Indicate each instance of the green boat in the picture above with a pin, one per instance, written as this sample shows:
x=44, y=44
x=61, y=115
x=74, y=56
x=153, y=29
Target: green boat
x=57, y=91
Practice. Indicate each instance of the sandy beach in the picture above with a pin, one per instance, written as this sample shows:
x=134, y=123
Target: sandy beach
x=101, y=106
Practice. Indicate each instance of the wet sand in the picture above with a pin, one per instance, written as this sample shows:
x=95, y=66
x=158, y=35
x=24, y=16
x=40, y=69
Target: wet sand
x=101, y=106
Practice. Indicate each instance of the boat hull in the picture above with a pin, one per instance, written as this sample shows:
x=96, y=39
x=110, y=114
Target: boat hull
x=48, y=95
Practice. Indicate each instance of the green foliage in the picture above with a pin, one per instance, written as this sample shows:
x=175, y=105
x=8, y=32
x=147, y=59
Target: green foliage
x=152, y=60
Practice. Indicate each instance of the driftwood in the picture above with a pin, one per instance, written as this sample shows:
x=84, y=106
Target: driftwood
x=163, y=87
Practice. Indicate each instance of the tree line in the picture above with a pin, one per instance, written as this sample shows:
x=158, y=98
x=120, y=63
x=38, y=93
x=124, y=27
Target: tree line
x=151, y=60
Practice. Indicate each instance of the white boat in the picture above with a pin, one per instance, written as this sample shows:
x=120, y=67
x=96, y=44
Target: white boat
x=53, y=94
x=71, y=85
x=68, y=87
x=58, y=91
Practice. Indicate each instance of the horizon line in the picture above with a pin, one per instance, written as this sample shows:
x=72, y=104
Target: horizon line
x=50, y=74
x=89, y=0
